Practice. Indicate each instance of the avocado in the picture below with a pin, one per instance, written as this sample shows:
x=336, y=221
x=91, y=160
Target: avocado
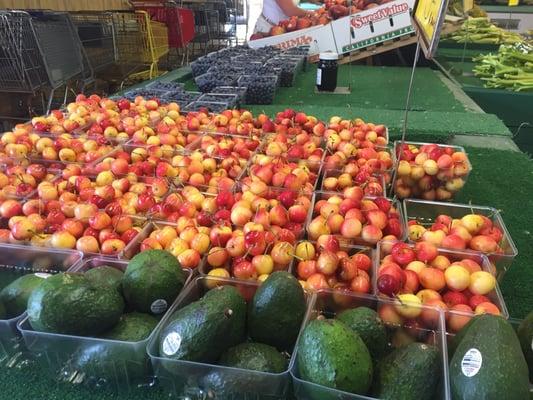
x=105, y=275
x=366, y=322
x=329, y=353
x=410, y=372
x=255, y=356
x=152, y=281
x=109, y=363
x=223, y=384
x=132, y=327
x=276, y=311
x=204, y=329
x=525, y=335
x=488, y=363
x=69, y=303
x=3, y=313
x=15, y=295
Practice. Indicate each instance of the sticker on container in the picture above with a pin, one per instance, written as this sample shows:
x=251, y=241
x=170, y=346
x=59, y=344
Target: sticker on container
x=471, y=363
x=319, y=76
x=43, y=275
x=172, y=343
x=159, y=306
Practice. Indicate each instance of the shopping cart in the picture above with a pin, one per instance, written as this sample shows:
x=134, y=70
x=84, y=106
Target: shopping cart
x=95, y=30
x=140, y=43
x=40, y=52
x=179, y=22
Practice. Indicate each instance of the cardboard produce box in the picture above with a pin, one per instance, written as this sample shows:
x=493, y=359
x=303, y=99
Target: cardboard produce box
x=375, y=25
x=319, y=38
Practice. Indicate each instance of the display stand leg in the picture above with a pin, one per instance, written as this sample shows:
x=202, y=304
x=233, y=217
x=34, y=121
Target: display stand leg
x=406, y=113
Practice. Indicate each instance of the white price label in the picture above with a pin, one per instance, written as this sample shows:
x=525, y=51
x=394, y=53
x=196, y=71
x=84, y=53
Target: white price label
x=471, y=363
x=159, y=306
x=172, y=343
x=319, y=76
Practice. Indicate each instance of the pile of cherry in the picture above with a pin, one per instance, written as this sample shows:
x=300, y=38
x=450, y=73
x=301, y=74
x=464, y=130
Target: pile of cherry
x=237, y=195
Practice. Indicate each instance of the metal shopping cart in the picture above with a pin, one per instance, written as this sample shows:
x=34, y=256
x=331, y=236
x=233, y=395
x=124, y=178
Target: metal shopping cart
x=95, y=30
x=140, y=43
x=40, y=52
x=179, y=22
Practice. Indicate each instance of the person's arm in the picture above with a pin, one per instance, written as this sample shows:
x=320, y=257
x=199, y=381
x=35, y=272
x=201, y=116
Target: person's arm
x=289, y=9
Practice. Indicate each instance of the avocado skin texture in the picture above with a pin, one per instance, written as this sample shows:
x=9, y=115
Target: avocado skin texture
x=332, y=355
x=152, y=275
x=207, y=327
x=15, y=295
x=525, y=335
x=254, y=356
x=366, y=322
x=411, y=372
x=69, y=303
x=105, y=275
x=276, y=311
x=132, y=327
x=503, y=372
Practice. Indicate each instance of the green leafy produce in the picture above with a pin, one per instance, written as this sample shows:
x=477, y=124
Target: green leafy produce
x=511, y=68
x=480, y=30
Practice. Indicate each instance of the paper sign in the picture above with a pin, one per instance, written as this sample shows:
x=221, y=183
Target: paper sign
x=512, y=3
x=428, y=18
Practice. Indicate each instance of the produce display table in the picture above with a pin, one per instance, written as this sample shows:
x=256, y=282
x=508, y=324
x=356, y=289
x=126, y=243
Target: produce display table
x=440, y=112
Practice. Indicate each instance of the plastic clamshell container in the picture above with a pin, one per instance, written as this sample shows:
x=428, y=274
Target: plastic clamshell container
x=200, y=66
x=118, y=365
x=426, y=212
x=321, y=195
x=239, y=91
x=167, y=86
x=373, y=190
x=211, y=106
x=181, y=377
x=351, y=250
x=261, y=89
x=437, y=182
x=229, y=99
x=147, y=93
x=21, y=260
x=329, y=303
x=215, y=137
x=495, y=295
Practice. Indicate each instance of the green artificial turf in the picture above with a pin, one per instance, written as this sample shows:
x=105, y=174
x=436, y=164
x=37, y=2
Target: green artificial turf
x=502, y=179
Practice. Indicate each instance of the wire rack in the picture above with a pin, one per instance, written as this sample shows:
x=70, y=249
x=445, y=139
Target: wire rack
x=139, y=42
x=96, y=33
x=22, y=66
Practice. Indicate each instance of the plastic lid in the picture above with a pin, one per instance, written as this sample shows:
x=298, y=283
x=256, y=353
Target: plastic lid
x=329, y=56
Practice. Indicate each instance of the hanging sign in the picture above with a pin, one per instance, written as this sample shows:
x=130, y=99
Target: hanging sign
x=428, y=18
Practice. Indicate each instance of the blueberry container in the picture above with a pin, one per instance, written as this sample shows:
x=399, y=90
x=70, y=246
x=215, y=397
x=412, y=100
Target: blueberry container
x=117, y=365
x=200, y=66
x=208, y=81
x=239, y=91
x=22, y=260
x=495, y=296
x=183, y=98
x=167, y=86
x=210, y=106
x=188, y=379
x=261, y=89
x=229, y=99
x=329, y=303
x=425, y=212
x=147, y=93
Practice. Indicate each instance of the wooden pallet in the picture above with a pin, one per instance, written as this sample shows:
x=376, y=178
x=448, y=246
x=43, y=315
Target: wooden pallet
x=389, y=45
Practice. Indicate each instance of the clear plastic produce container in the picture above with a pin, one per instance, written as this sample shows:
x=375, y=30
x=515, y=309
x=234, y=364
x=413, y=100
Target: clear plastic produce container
x=351, y=250
x=261, y=89
x=117, y=365
x=229, y=99
x=449, y=183
x=374, y=186
x=200, y=66
x=495, y=295
x=211, y=106
x=21, y=260
x=148, y=93
x=320, y=195
x=173, y=87
x=215, y=137
x=239, y=91
x=426, y=212
x=187, y=379
x=289, y=70
x=328, y=303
